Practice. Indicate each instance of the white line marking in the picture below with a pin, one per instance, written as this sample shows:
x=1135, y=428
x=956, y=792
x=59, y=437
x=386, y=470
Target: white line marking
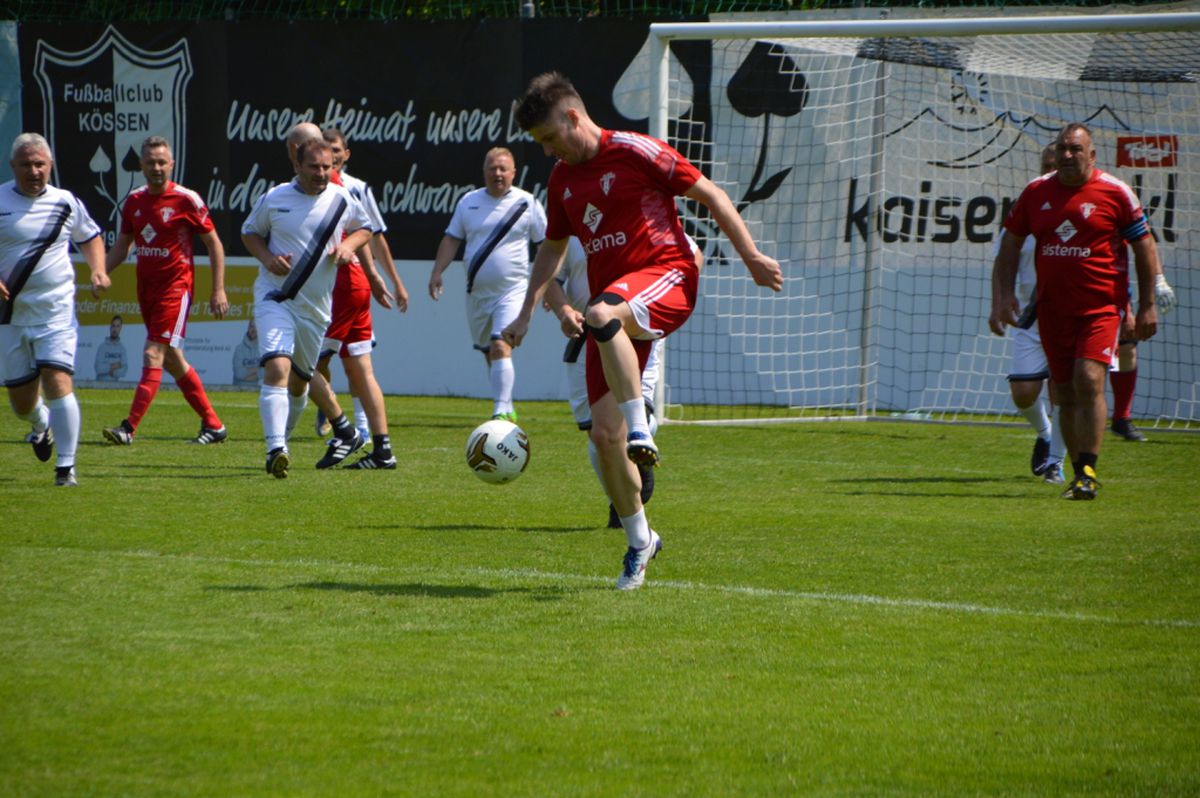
x=861, y=599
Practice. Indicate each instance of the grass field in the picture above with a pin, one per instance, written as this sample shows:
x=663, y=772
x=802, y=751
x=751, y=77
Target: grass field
x=840, y=609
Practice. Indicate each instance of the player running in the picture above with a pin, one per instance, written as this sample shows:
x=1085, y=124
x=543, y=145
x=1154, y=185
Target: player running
x=161, y=218
x=616, y=191
x=38, y=331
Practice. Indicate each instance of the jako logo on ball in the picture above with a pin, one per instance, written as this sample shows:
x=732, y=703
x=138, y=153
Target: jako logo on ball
x=497, y=451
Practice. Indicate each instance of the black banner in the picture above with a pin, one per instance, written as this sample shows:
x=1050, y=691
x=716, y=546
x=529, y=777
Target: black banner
x=420, y=105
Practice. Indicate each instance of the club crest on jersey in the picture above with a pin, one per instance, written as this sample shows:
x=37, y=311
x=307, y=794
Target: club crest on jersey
x=1066, y=230
x=102, y=102
x=1087, y=208
x=1046, y=206
x=167, y=213
x=606, y=182
x=592, y=217
x=566, y=193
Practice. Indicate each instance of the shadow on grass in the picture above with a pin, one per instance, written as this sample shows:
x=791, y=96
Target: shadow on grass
x=552, y=530
x=414, y=589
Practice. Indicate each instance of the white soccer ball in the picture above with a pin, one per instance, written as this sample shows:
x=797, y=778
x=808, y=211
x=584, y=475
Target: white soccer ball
x=498, y=451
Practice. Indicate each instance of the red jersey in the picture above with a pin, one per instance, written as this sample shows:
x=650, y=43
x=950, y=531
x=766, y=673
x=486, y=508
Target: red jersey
x=351, y=276
x=1081, y=231
x=621, y=206
x=162, y=226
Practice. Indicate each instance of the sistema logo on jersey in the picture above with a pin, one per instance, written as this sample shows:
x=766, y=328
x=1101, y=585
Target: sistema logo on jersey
x=102, y=102
x=592, y=217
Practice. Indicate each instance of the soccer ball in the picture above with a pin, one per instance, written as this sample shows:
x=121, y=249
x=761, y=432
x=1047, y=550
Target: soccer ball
x=498, y=451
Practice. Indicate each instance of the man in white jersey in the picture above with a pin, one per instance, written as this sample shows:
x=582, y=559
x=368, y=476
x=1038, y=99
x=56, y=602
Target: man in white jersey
x=351, y=333
x=297, y=231
x=499, y=223
x=1029, y=368
x=38, y=331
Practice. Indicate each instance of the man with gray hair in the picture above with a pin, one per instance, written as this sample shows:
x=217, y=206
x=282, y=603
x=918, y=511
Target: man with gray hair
x=38, y=330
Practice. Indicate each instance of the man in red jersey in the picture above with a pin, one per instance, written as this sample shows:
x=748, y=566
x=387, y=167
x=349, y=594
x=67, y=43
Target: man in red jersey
x=616, y=191
x=161, y=218
x=1082, y=219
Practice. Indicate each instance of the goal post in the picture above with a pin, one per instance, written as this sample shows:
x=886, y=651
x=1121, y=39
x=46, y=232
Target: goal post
x=876, y=159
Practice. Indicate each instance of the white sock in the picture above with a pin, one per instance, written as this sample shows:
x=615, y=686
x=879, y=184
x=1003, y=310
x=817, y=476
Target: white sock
x=39, y=416
x=1058, y=445
x=64, y=420
x=634, y=412
x=273, y=409
x=594, y=456
x=637, y=529
x=1035, y=414
x=502, y=375
x=295, y=408
x=360, y=419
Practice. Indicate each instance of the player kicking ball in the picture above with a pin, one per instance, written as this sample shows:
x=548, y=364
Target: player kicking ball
x=616, y=191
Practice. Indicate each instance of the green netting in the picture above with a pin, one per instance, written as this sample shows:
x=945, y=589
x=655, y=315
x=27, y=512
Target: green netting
x=384, y=10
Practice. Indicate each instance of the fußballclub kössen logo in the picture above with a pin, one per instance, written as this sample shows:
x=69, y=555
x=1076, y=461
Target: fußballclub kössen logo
x=100, y=103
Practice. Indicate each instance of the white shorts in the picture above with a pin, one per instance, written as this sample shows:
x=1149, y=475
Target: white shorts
x=577, y=395
x=488, y=316
x=24, y=349
x=282, y=332
x=1028, y=358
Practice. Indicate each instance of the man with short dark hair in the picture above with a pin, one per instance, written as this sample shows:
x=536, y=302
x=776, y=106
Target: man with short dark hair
x=298, y=233
x=161, y=218
x=616, y=192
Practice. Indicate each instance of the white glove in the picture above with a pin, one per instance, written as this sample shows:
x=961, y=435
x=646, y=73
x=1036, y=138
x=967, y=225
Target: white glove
x=1164, y=295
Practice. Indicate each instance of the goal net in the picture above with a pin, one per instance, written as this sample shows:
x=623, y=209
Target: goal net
x=876, y=161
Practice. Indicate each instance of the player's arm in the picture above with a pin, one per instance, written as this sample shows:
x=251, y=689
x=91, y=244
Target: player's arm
x=383, y=257
x=1145, y=260
x=549, y=257
x=343, y=252
x=1004, y=282
x=218, y=303
x=118, y=253
x=93, y=253
x=570, y=319
x=379, y=288
x=764, y=269
x=446, y=252
x=256, y=245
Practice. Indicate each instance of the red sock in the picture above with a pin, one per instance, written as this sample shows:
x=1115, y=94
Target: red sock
x=1123, y=383
x=144, y=394
x=193, y=391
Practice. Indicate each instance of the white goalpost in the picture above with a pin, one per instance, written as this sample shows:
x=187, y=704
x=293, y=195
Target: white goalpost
x=876, y=159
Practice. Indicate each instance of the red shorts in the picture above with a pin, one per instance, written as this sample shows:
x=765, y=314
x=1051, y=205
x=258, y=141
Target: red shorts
x=662, y=298
x=350, y=331
x=1070, y=338
x=165, y=315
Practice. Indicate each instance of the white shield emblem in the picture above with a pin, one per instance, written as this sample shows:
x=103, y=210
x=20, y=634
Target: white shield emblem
x=102, y=102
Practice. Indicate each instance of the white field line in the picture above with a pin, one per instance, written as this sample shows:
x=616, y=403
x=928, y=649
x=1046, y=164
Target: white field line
x=860, y=599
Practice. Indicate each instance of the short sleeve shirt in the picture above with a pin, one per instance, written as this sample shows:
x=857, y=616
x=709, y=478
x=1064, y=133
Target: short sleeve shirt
x=306, y=227
x=498, y=232
x=163, y=226
x=1082, y=260
x=621, y=205
x=35, y=263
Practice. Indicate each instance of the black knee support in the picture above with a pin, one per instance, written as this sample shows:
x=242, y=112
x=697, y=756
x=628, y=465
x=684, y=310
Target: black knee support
x=605, y=333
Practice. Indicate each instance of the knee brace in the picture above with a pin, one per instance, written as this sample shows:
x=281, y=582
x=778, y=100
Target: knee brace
x=606, y=332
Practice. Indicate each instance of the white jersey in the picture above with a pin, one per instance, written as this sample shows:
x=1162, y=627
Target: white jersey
x=34, y=260
x=497, y=232
x=359, y=189
x=572, y=275
x=306, y=227
x=1026, y=273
